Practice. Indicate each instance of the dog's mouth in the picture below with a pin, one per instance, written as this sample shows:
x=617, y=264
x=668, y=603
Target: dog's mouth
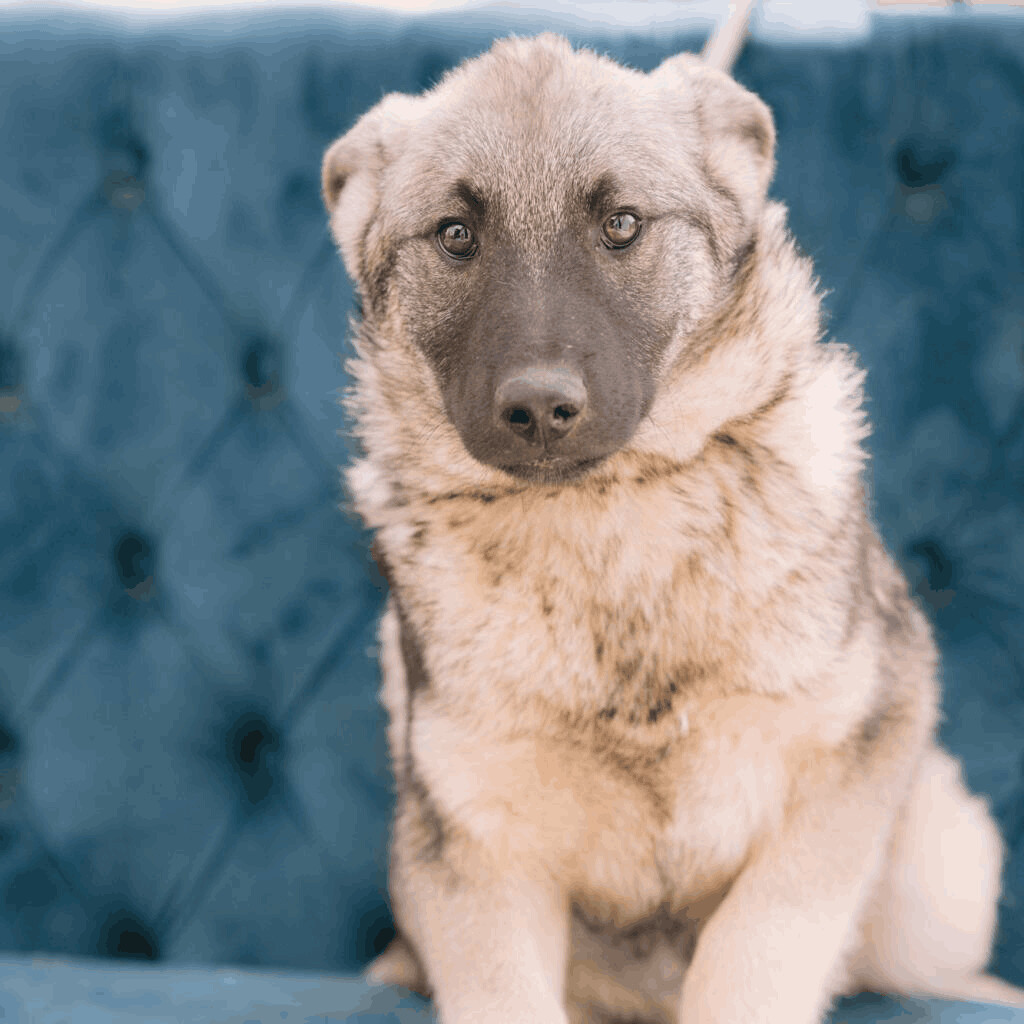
x=553, y=470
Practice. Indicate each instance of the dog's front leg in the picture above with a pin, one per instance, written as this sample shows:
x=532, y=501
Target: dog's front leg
x=773, y=952
x=493, y=938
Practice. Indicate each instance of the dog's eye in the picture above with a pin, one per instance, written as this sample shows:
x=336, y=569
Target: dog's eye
x=620, y=229
x=457, y=240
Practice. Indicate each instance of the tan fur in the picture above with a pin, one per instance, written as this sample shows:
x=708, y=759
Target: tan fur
x=669, y=753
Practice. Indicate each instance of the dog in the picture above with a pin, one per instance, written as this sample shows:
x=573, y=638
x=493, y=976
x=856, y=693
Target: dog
x=662, y=711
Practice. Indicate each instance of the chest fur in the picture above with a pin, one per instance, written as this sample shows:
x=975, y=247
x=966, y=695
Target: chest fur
x=626, y=826
x=619, y=671
x=622, y=606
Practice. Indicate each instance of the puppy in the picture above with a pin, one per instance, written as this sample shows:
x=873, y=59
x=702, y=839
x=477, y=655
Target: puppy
x=662, y=711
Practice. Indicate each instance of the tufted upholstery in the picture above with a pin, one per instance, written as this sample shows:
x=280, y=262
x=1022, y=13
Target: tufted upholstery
x=192, y=763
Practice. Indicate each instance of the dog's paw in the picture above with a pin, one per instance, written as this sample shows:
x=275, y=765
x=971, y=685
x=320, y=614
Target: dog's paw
x=398, y=965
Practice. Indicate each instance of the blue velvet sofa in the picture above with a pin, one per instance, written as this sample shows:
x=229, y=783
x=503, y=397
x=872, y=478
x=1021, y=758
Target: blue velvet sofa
x=194, y=792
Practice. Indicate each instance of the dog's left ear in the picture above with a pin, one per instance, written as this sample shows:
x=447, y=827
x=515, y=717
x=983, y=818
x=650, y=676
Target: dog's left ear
x=737, y=127
x=351, y=173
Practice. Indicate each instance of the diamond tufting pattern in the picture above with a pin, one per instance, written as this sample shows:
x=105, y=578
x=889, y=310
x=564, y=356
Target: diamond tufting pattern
x=192, y=762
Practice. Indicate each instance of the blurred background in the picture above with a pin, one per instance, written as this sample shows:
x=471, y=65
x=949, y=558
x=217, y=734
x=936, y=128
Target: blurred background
x=192, y=759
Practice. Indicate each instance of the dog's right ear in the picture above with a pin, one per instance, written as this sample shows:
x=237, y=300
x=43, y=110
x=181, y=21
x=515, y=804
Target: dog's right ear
x=351, y=173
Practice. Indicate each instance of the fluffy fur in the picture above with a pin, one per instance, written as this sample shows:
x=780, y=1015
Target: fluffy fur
x=663, y=733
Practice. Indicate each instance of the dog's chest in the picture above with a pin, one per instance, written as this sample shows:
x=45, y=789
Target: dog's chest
x=586, y=713
x=615, y=616
x=628, y=826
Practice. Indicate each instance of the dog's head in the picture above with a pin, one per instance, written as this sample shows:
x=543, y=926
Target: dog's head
x=536, y=242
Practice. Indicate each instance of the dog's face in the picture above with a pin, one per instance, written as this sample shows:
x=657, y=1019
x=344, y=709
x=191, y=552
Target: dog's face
x=545, y=230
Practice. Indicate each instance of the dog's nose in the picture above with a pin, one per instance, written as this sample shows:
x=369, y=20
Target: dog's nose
x=541, y=403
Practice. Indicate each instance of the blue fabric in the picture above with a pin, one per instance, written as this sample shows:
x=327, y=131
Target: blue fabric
x=192, y=760
x=46, y=992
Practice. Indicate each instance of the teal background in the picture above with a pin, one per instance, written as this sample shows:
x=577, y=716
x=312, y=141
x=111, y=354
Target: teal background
x=192, y=759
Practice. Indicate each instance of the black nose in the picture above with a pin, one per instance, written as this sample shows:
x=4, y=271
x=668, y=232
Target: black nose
x=540, y=403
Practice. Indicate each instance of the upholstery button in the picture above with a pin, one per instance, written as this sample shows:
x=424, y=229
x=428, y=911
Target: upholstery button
x=922, y=161
x=122, y=143
x=126, y=160
x=8, y=743
x=8, y=766
x=10, y=377
x=251, y=742
x=375, y=930
x=935, y=572
x=261, y=371
x=124, y=935
x=133, y=560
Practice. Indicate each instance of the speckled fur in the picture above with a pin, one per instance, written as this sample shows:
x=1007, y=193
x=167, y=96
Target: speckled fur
x=686, y=697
